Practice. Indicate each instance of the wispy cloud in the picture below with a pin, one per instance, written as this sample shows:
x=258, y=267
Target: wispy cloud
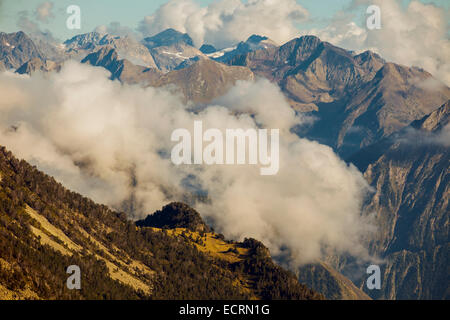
x=421, y=137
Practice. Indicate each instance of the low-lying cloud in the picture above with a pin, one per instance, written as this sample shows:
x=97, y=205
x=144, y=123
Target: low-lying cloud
x=112, y=142
x=417, y=137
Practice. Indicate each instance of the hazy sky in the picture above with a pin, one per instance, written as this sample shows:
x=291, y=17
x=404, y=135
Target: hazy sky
x=130, y=13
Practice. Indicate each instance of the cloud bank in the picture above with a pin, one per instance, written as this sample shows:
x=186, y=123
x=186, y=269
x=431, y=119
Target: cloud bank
x=224, y=23
x=111, y=142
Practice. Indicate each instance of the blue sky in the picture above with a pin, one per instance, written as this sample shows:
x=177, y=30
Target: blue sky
x=129, y=13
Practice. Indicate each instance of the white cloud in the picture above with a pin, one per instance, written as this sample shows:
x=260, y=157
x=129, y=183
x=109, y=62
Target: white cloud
x=225, y=22
x=112, y=142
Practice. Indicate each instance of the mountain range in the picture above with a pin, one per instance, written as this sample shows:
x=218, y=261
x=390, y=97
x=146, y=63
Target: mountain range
x=389, y=120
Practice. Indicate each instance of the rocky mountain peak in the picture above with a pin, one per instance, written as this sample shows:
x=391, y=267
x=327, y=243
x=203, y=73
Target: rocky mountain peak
x=168, y=37
x=261, y=41
x=207, y=49
x=103, y=57
x=121, y=69
x=256, y=38
x=434, y=121
x=171, y=49
x=367, y=56
x=16, y=49
x=297, y=50
x=36, y=64
x=84, y=41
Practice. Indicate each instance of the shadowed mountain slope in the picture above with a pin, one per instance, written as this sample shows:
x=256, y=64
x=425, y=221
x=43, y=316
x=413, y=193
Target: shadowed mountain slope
x=410, y=174
x=121, y=69
x=44, y=228
x=16, y=49
x=205, y=80
x=323, y=278
x=126, y=47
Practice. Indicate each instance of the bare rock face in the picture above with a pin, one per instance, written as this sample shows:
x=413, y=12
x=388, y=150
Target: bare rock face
x=207, y=49
x=169, y=58
x=171, y=49
x=332, y=284
x=168, y=37
x=436, y=121
x=37, y=64
x=126, y=47
x=16, y=49
x=205, y=79
x=388, y=103
x=121, y=69
x=253, y=43
x=410, y=174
